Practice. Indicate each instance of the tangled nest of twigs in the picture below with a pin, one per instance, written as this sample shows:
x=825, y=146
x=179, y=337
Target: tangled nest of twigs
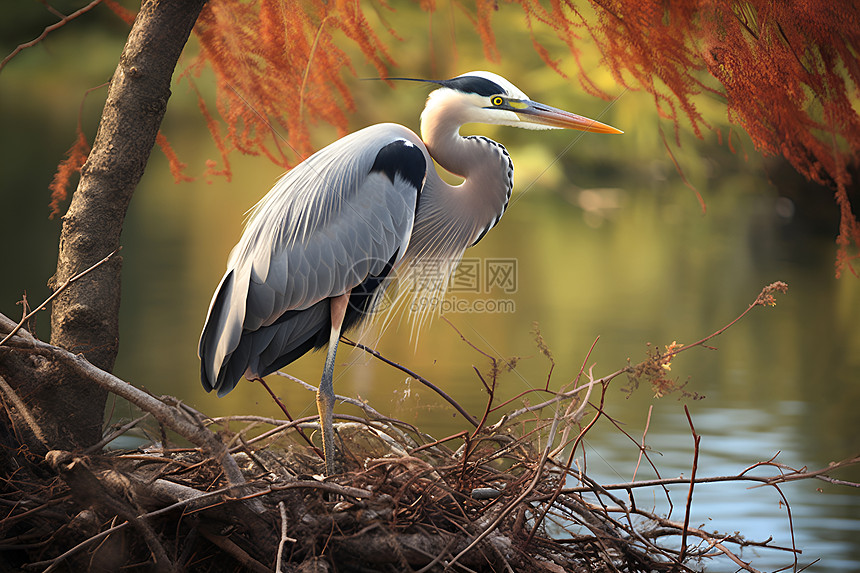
x=248, y=495
x=406, y=503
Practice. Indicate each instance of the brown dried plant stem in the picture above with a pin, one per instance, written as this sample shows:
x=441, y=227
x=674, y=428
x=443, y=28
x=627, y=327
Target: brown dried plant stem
x=784, y=477
x=63, y=21
x=231, y=548
x=182, y=504
x=471, y=419
x=764, y=298
x=54, y=295
x=43, y=432
x=167, y=415
x=284, y=537
x=696, y=440
x=283, y=408
x=510, y=507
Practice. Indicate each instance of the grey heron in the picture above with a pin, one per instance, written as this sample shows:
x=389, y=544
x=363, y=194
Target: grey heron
x=318, y=247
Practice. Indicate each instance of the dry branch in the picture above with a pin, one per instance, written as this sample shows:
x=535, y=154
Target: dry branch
x=376, y=354
x=54, y=295
x=63, y=21
x=169, y=416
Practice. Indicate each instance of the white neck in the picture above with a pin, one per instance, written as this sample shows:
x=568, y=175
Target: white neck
x=449, y=219
x=484, y=165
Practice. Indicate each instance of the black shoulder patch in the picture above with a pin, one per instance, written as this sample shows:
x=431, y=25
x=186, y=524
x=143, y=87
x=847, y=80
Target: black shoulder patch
x=402, y=157
x=474, y=85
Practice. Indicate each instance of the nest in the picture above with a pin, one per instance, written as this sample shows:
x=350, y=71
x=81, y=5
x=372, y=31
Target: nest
x=405, y=502
x=246, y=493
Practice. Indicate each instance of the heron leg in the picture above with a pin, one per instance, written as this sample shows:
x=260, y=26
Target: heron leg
x=325, y=394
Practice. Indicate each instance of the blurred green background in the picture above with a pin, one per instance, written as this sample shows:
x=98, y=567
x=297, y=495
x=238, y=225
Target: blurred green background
x=606, y=240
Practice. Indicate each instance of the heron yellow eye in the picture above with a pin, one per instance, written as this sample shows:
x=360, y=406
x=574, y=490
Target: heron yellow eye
x=497, y=100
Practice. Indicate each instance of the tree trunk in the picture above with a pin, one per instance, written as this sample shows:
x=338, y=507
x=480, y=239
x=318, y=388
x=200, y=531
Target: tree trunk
x=85, y=317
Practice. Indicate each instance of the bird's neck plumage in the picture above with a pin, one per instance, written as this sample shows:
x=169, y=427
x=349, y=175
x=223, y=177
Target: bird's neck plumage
x=450, y=218
x=484, y=165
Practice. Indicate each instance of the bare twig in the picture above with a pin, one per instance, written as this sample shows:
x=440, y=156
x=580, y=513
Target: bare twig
x=115, y=434
x=543, y=348
x=196, y=500
x=65, y=20
x=471, y=419
x=567, y=466
x=7, y=325
x=284, y=538
x=817, y=474
x=169, y=416
x=565, y=395
x=740, y=477
x=573, y=417
x=229, y=546
x=56, y=293
x=696, y=440
x=326, y=486
x=9, y=394
x=642, y=444
x=765, y=298
x=290, y=418
x=345, y=399
x=538, y=472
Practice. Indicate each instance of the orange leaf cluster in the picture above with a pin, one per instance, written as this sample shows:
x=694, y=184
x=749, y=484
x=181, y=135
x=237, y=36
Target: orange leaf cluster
x=177, y=168
x=788, y=72
x=766, y=298
x=278, y=67
x=77, y=155
x=655, y=371
x=75, y=158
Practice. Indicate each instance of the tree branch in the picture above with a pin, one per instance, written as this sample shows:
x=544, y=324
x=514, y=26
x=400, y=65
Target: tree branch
x=63, y=21
x=85, y=316
x=165, y=414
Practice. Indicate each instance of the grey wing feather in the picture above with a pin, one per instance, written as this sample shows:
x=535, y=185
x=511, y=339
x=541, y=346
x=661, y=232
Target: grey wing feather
x=335, y=219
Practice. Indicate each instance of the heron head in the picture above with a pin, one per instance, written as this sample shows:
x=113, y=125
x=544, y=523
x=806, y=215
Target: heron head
x=485, y=97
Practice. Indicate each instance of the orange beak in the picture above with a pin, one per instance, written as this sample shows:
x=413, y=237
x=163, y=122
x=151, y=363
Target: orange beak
x=544, y=115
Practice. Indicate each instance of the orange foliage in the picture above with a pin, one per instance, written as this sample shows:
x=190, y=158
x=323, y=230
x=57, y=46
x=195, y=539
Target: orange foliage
x=77, y=155
x=277, y=68
x=121, y=11
x=75, y=158
x=215, y=131
x=176, y=166
x=787, y=71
